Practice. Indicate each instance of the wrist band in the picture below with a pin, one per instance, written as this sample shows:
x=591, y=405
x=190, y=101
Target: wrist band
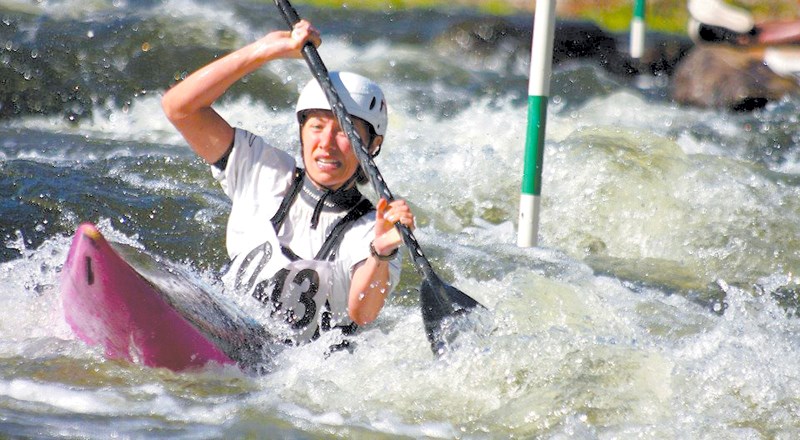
x=379, y=256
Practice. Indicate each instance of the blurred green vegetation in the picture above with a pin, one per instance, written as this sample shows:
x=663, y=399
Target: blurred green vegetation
x=495, y=7
x=614, y=15
x=670, y=15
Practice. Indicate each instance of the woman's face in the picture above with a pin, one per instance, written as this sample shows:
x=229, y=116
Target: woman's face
x=327, y=154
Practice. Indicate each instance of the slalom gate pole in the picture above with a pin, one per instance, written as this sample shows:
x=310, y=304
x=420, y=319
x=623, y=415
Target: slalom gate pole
x=544, y=23
x=638, y=30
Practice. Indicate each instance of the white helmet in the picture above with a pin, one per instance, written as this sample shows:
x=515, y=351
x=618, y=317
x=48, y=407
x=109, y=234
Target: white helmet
x=361, y=97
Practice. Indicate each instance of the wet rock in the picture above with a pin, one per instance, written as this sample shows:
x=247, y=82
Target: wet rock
x=662, y=52
x=586, y=40
x=729, y=78
x=574, y=40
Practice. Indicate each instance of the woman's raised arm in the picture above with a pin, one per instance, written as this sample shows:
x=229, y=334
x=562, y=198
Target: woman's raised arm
x=188, y=104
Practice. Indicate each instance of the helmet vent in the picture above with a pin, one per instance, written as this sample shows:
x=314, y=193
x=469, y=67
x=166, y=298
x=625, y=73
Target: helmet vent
x=372, y=103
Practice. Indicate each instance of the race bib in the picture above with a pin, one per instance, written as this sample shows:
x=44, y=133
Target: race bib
x=297, y=296
x=295, y=292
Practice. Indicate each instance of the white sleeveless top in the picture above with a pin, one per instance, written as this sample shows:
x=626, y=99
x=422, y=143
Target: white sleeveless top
x=256, y=178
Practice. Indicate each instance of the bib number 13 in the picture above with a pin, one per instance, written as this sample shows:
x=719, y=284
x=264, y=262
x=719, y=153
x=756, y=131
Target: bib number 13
x=293, y=298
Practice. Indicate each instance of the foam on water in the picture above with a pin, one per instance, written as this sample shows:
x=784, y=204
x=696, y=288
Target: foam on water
x=568, y=351
x=29, y=297
x=596, y=334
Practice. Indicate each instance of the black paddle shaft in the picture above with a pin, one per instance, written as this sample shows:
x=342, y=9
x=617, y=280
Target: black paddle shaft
x=320, y=72
x=438, y=300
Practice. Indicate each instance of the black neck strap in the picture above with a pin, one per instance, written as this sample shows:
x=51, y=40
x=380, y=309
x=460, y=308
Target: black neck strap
x=324, y=199
x=349, y=200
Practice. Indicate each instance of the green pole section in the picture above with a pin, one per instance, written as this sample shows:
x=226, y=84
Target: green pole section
x=534, y=145
x=638, y=9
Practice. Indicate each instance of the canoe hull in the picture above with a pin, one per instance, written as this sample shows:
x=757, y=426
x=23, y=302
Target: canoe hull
x=151, y=316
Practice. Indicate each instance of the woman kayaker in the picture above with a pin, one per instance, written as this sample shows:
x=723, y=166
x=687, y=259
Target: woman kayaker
x=303, y=241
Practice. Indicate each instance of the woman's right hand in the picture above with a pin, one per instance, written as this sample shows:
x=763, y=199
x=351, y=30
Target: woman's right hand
x=288, y=44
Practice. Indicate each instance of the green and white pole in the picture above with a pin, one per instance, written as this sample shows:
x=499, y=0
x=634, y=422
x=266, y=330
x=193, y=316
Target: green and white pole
x=544, y=24
x=637, y=30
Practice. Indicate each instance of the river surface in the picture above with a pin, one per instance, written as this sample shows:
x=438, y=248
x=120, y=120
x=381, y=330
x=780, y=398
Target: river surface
x=661, y=302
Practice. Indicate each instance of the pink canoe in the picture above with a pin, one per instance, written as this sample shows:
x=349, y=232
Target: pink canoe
x=141, y=310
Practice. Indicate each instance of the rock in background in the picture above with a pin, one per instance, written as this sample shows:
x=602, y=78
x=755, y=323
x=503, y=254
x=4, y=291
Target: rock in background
x=727, y=77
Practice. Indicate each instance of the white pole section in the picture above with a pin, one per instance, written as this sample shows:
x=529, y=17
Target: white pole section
x=638, y=30
x=544, y=24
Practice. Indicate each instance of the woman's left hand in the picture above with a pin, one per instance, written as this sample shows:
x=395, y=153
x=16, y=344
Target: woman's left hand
x=387, y=237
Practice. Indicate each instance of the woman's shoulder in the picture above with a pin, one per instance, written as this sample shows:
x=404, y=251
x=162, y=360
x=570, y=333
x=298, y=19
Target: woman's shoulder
x=252, y=148
x=246, y=139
